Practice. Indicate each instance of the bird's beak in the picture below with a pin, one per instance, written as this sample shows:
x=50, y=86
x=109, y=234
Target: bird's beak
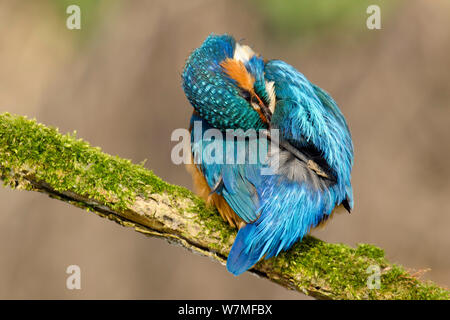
x=236, y=70
x=264, y=112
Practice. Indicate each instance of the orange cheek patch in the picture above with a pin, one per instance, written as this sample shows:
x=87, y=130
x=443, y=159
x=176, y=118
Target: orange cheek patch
x=236, y=70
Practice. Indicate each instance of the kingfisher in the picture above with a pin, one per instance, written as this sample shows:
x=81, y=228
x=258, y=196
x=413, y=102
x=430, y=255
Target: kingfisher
x=231, y=87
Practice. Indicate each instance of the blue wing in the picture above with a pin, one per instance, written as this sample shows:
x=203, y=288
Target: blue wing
x=239, y=180
x=308, y=117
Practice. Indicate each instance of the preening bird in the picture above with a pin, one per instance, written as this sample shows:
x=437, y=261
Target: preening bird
x=232, y=87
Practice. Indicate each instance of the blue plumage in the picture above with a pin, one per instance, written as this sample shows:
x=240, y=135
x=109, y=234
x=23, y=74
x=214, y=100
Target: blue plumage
x=312, y=170
x=239, y=180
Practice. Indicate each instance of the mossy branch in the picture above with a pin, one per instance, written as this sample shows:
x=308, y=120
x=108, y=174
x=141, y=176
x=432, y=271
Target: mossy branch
x=38, y=158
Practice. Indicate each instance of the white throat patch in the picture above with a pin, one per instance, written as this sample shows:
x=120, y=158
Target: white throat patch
x=243, y=53
x=270, y=89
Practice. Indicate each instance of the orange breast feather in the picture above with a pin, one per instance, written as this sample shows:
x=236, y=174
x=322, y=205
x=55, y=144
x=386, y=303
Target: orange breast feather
x=203, y=190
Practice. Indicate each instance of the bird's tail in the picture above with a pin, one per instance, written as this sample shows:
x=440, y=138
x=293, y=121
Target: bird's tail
x=266, y=237
x=242, y=257
x=278, y=227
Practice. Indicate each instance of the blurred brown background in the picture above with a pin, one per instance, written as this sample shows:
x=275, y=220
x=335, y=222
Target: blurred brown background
x=117, y=83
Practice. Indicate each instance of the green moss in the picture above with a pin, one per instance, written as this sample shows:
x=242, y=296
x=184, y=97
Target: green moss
x=213, y=221
x=340, y=268
x=370, y=251
x=68, y=163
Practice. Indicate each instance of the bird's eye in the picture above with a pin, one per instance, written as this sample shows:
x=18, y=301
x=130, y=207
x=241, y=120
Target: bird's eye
x=246, y=95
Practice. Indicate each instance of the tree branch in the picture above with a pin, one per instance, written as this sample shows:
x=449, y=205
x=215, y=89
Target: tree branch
x=38, y=158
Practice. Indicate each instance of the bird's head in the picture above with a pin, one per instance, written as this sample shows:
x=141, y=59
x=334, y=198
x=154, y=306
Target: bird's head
x=224, y=81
